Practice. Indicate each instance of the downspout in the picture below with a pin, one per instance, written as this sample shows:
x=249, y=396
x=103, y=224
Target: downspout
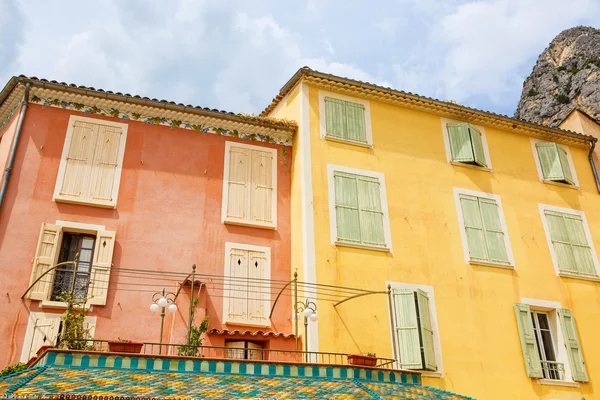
x=593, y=164
x=15, y=144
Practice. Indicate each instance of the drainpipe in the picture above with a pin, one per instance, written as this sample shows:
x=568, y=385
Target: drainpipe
x=593, y=164
x=13, y=149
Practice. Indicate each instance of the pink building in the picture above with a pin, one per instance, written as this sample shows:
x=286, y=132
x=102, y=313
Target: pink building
x=141, y=189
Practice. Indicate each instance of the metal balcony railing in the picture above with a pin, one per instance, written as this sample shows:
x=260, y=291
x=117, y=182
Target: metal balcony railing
x=553, y=370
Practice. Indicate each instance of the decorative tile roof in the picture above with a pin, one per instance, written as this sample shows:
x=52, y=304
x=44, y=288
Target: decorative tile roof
x=250, y=333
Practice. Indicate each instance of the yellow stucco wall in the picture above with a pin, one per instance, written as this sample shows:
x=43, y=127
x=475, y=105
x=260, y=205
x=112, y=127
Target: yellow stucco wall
x=479, y=339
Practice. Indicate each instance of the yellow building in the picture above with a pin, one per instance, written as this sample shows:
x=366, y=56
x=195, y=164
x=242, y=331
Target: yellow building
x=485, y=228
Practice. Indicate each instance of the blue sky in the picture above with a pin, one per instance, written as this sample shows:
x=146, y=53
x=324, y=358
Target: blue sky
x=236, y=54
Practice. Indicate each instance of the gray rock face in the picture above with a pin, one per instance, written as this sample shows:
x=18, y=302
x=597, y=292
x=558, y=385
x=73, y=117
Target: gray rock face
x=566, y=75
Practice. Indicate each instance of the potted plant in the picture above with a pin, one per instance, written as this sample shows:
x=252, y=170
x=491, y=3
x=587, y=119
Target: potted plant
x=124, y=346
x=370, y=360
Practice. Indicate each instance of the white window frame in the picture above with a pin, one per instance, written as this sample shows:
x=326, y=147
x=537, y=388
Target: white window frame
x=551, y=308
x=63, y=163
x=434, y=325
x=225, y=201
x=463, y=232
x=248, y=247
x=323, y=118
x=331, y=169
x=588, y=235
x=484, y=142
x=538, y=165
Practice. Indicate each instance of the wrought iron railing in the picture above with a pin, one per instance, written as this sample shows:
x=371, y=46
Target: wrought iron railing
x=250, y=354
x=553, y=370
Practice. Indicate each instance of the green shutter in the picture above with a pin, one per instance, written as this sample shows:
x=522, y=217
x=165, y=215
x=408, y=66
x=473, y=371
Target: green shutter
x=554, y=162
x=569, y=330
x=346, y=208
x=460, y=142
x=494, y=234
x=474, y=228
x=371, y=215
x=528, y=342
x=407, y=329
x=426, y=330
x=355, y=122
x=345, y=120
x=564, y=162
x=477, y=143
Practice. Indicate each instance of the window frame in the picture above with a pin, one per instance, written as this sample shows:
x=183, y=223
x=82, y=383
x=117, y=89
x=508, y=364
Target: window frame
x=538, y=165
x=486, y=152
x=331, y=169
x=463, y=234
x=323, y=118
x=57, y=197
x=434, y=325
x=225, y=197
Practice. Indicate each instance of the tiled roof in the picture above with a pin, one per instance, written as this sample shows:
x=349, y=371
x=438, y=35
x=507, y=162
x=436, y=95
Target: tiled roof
x=250, y=333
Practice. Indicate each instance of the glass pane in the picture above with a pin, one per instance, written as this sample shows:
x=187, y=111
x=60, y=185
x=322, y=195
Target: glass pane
x=85, y=256
x=548, y=346
x=543, y=319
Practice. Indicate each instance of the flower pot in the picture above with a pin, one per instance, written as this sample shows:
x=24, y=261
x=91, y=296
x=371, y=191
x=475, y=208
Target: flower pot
x=357, y=359
x=118, y=346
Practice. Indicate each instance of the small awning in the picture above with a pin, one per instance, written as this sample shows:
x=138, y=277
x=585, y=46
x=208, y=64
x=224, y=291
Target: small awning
x=265, y=334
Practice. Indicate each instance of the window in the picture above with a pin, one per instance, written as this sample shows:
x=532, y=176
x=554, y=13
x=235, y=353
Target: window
x=483, y=228
x=59, y=243
x=358, y=208
x=345, y=119
x=570, y=241
x=554, y=163
x=250, y=185
x=415, y=327
x=247, y=285
x=91, y=163
x=546, y=347
x=243, y=350
x=465, y=144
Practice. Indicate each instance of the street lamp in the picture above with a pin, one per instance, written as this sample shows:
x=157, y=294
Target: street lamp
x=308, y=309
x=163, y=301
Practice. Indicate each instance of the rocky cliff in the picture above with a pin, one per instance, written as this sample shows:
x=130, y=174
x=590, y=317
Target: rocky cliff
x=566, y=75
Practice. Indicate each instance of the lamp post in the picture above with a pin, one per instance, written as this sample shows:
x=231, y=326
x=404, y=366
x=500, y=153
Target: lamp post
x=163, y=301
x=308, y=309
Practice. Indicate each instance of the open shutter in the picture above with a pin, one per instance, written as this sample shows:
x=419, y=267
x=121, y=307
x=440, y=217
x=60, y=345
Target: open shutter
x=75, y=180
x=355, y=122
x=45, y=258
x=101, y=266
x=261, y=192
x=426, y=330
x=258, y=288
x=460, y=142
x=236, y=350
x=564, y=162
x=371, y=214
x=105, y=164
x=237, y=301
x=45, y=332
x=528, y=343
x=477, y=144
x=474, y=228
x=238, y=183
x=407, y=329
x=549, y=161
x=346, y=208
x=255, y=351
x=335, y=118
x=494, y=234
x=567, y=323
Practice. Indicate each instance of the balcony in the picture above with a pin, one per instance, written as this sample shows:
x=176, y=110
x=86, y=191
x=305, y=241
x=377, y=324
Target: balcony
x=553, y=370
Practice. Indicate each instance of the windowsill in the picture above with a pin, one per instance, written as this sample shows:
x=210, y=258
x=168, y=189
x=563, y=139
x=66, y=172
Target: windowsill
x=554, y=382
x=248, y=323
x=58, y=199
x=346, y=141
x=432, y=374
x=58, y=304
x=362, y=246
x=561, y=184
x=479, y=167
x=583, y=277
x=251, y=224
x=491, y=264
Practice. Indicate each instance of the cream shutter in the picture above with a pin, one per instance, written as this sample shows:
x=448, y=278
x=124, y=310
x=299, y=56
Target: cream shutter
x=254, y=351
x=261, y=190
x=426, y=330
x=258, y=288
x=101, y=266
x=74, y=183
x=236, y=350
x=567, y=323
x=528, y=342
x=45, y=258
x=105, y=163
x=238, y=183
x=237, y=309
x=407, y=329
x=45, y=332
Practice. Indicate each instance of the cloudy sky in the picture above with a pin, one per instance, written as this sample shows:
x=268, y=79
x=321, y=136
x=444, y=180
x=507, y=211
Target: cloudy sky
x=236, y=54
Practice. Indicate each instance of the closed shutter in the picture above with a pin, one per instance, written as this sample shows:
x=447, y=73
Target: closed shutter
x=355, y=122
x=528, y=342
x=255, y=351
x=261, y=191
x=371, y=215
x=426, y=331
x=479, y=155
x=238, y=183
x=45, y=332
x=494, y=234
x=45, y=258
x=567, y=323
x=105, y=163
x=235, y=350
x=460, y=142
x=407, y=329
x=334, y=118
x=346, y=208
x=238, y=286
x=345, y=120
x=75, y=181
x=258, y=288
x=101, y=267
x=474, y=228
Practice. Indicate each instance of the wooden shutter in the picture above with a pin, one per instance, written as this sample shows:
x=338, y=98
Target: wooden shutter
x=494, y=234
x=238, y=183
x=237, y=301
x=474, y=228
x=346, y=208
x=258, y=288
x=45, y=258
x=567, y=323
x=549, y=161
x=371, y=214
x=105, y=163
x=45, y=332
x=407, y=329
x=101, y=266
x=74, y=183
x=236, y=350
x=528, y=343
x=477, y=143
x=426, y=331
x=255, y=351
x=460, y=142
x=261, y=192
x=345, y=120
x=564, y=162
x=355, y=122
x=335, y=118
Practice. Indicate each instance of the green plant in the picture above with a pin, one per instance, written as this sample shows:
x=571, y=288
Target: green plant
x=561, y=68
x=532, y=92
x=195, y=339
x=562, y=99
x=74, y=333
x=12, y=369
x=372, y=355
